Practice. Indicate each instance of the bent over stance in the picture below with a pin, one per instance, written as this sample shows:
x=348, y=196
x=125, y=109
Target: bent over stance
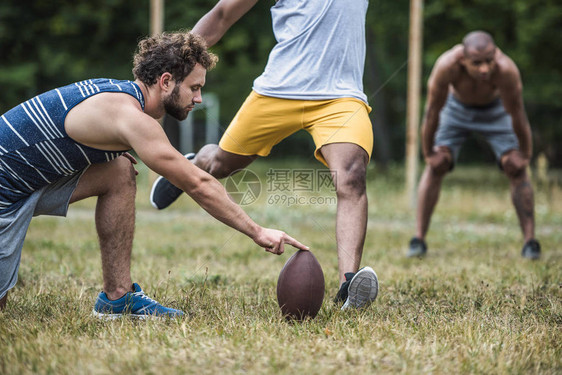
x=475, y=88
x=70, y=143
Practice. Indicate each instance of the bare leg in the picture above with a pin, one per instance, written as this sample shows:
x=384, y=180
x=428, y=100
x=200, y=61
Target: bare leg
x=514, y=166
x=523, y=200
x=521, y=196
x=114, y=185
x=220, y=163
x=428, y=195
x=438, y=165
x=348, y=163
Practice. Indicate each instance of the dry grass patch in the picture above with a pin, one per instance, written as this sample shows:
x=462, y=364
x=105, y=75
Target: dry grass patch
x=472, y=306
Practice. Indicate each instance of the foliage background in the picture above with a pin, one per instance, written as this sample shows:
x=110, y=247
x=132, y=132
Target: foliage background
x=48, y=44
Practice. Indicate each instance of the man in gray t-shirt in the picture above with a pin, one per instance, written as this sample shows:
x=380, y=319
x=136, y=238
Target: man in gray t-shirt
x=313, y=81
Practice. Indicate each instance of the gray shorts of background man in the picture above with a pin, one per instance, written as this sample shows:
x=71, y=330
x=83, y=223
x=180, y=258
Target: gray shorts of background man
x=475, y=88
x=313, y=81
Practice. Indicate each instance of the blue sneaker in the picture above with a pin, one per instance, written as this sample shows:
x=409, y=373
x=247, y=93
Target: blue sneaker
x=135, y=304
x=163, y=192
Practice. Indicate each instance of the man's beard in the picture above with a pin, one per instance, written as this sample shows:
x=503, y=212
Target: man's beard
x=172, y=107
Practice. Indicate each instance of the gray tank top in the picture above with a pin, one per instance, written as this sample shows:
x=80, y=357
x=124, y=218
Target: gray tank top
x=320, y=50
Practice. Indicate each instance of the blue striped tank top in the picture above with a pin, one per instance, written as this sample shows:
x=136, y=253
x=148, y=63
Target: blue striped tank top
x=34, y=147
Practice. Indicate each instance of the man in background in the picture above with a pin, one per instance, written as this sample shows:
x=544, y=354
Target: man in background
x=475, y=88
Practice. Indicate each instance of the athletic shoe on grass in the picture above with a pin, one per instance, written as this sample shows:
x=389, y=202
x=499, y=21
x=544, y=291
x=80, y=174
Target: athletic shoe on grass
x=531, y=250
x=359, y=289
x=163, y=193
x=134, y=304
x=418, y=248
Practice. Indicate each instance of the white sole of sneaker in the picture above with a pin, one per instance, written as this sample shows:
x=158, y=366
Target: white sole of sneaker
x=103, y=316
x=152, y=192
x=188, y=156
x=363, y=289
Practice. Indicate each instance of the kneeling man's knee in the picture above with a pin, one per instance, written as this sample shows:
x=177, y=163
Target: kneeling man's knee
x=123, y=173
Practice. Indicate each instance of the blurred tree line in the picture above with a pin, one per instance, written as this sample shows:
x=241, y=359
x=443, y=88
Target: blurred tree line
x=44, y=44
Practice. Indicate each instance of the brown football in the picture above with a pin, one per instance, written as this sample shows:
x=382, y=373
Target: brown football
x=300, y=287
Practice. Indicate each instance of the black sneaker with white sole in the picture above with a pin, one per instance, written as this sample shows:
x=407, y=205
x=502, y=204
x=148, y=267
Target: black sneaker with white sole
x=359, y=290
x=341, y=297
x=418, y=248
x=531, y=250
x=163, y=192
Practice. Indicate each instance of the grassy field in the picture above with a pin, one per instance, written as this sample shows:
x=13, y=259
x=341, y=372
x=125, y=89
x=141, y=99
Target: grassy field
x=473, y=305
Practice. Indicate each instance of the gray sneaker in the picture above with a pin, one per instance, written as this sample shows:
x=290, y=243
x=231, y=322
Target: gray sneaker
x=418, y=248
x=362, y=289
x=163, y=192
x=531, y=250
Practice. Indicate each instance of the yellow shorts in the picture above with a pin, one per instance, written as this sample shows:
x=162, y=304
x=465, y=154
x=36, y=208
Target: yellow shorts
x=263, y=121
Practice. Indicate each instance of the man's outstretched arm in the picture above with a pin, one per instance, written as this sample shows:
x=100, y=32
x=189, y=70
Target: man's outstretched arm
x=511, y=92
x=147, y=138
x=218, y=20
x=437, y=91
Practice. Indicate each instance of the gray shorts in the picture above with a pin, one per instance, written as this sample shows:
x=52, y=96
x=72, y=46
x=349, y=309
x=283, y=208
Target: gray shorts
x=51, y=200
x=457, y=121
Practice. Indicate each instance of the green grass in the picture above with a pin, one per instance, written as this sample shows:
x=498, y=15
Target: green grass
x=472, y=306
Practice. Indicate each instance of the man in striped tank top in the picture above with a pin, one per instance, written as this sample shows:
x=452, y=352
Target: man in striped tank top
x=71, y=143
